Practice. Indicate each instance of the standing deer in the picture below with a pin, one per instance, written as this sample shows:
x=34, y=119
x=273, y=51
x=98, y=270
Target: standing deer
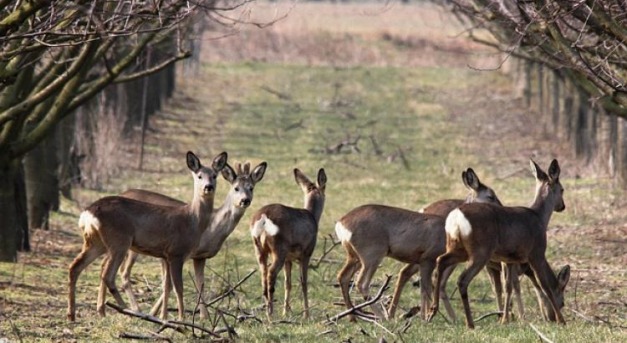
x=288, y=234
x=480, y=233
x=113, y=225
x=369, y=233
x=481, y=193
x=223, y=222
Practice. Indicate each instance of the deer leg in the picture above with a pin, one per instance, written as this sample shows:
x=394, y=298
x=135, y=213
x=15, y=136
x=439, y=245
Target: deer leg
x=304, y=268
x=516, y=284
x=166, y=284
x=176, y=273
x=405, y=274
x=543, y=302
x=363, y=283
x=448, y=260
x=494, y=274
x=199, y=275
x=278, y=259
x=540, y=268
x=157, y=305
x=507, y=272
x=345, y=275
x=444, y=296
x=127, y=266
x=287, y=271
x=426, y=284
x=474, y=267
x=109, y=273
x=102, y=289
x=262, y=260
x=89, y=253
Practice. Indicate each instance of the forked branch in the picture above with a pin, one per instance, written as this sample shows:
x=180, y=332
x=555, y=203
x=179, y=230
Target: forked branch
x=354, y=310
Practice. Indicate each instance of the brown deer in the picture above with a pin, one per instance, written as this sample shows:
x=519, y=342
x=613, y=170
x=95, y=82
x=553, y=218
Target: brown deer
x=371, y=232
x=113, y=225
x=480, y=233
x=288, y=234
x=480, y=193
x=223, y=222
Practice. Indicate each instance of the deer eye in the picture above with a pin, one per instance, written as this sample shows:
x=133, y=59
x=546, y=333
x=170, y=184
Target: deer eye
x=199, y=177
x=237, y=189
x=215, y=176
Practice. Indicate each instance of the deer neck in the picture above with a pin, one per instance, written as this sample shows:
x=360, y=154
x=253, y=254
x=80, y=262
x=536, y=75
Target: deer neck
x=314, y=204
x=543, y=203
x=201, y=209
x=226, y=217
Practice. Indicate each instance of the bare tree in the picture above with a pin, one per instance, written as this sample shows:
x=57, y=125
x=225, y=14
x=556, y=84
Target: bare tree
x=57, y=55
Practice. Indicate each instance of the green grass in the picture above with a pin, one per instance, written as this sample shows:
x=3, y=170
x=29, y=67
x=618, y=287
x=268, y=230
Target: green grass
x=287, y=115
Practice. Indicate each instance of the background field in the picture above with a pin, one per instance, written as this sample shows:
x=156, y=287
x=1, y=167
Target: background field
x=403, y=80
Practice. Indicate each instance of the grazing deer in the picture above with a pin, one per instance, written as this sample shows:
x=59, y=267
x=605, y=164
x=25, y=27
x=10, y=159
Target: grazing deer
x=223, y=222
x=114, y=224
x=480, y=233
x=371, y=232
x=288, y=234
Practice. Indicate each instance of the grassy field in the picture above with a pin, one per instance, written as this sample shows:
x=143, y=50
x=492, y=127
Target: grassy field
x=396, y=81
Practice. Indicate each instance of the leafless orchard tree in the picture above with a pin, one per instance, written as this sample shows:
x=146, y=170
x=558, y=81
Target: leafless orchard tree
x=57, y=55
x=584, y=43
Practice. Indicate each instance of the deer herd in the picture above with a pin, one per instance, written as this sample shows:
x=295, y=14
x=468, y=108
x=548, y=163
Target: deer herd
x=507, y=241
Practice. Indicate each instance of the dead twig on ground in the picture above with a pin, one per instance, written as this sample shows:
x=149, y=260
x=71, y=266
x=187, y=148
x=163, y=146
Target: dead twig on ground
x=276, y=93
x=231, y=289
x=496, y=313
x=153, y=337
x=146, y=317
x=540, y=334
x=355, y=309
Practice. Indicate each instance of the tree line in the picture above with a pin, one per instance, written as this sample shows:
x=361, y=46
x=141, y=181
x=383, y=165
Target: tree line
x=69, y=69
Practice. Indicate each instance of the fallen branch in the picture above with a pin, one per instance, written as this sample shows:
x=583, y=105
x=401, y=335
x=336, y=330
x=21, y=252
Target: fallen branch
x=174, y=324
x=540, y=334
x=152, y=337
x=230, y=290
x=355, y=309
x=145, y=317
x=497, y=313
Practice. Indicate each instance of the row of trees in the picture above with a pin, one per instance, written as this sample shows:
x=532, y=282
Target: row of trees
x=75, y=59
x=575, y=57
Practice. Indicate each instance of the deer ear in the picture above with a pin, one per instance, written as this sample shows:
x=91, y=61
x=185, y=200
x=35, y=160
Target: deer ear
x=228, y=173
x=537, y=172
x=219, y=161
x=193, y=163
x=259, y=172
x=322, y=178
x=470, y=179
x=563, y=277
x=554, y=170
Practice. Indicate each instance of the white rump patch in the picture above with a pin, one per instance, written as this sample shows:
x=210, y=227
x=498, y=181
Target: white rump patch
x=422, y=210
x=342, y=232
x=263, y=224
x=457, y=225
x=88, y=223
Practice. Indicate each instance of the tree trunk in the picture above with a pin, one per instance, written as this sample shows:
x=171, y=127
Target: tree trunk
x=622, y=163
x=42, y=185
x=21, y=210
x=9, y=223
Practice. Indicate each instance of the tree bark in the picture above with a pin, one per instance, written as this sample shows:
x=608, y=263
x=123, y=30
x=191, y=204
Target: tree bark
x=10, y=223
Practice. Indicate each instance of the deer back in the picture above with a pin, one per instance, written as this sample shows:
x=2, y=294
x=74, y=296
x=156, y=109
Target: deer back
x=404, y=235
x=151, y=197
